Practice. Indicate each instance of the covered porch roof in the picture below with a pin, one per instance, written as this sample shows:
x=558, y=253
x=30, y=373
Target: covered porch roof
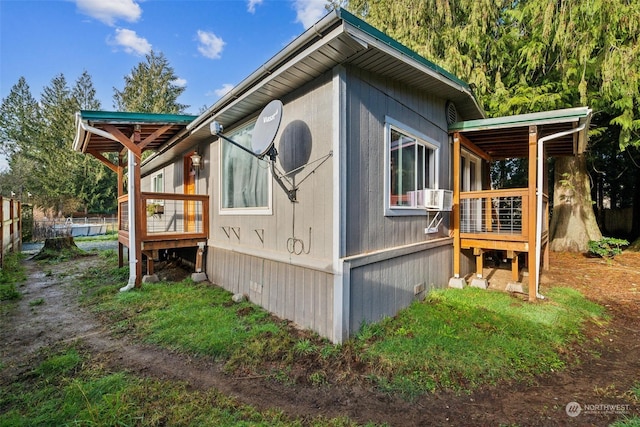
x=111, y=131
x=534, y=136
x=508, y=137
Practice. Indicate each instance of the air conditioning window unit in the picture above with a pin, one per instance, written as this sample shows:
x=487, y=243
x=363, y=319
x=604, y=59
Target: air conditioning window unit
x=438, y=200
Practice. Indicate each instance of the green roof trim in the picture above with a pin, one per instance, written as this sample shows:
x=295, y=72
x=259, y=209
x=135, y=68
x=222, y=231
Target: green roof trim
x=124, y=117
x=545, y=117
x=384, y=38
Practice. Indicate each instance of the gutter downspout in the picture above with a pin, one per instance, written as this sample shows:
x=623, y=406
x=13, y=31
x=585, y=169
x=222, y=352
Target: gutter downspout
x=131, y=158
x=539, y=185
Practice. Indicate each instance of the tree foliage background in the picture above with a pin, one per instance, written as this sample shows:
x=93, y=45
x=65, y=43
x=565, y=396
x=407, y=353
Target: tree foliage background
x=534, y=55
x=37, y=137
x=519, y=56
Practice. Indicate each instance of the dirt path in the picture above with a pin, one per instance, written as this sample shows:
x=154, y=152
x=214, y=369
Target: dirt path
x=49, y=314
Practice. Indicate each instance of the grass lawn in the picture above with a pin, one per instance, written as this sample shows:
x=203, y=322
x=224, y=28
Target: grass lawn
x=69, y=388
x=455, y=339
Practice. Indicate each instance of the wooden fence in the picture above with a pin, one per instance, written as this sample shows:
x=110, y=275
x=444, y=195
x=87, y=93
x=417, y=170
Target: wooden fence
x=10, y=227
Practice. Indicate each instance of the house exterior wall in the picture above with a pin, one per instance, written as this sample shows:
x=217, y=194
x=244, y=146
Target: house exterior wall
x=283, y=260
x=370, y=99
x=389, y=260
x=331, y=261
x=384, y=283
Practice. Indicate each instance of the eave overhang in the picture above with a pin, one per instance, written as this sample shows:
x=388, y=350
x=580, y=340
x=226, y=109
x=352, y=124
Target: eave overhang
x=339, y=38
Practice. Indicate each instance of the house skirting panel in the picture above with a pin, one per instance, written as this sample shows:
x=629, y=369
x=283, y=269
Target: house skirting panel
x=383, y=285
x=301, y=294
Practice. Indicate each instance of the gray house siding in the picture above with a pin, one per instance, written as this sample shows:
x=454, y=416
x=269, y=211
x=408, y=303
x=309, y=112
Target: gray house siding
x=369, y=100
x=300, y=294
x=283, y=260
x=388, y=256
x=383, y=284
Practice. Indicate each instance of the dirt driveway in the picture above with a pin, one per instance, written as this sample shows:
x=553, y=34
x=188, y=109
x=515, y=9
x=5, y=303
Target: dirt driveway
x=49, y=314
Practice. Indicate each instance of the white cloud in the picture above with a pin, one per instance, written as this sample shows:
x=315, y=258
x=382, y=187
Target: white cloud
x=226, y=88
x=251, y=5
x=308, y=12
x=180, y=82
x=131, y=42
x=210, y=45
x=108, y=11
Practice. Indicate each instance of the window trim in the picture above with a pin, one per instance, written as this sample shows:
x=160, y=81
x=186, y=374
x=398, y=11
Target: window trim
x=158, y=177
x=267, y=210
x=422, y=139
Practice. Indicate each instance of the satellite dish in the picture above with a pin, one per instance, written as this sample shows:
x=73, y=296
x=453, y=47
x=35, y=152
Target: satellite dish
x=266, y=128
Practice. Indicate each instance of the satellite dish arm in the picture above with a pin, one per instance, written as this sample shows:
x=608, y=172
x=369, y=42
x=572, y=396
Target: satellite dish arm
x=292, y=194
x=231, y=141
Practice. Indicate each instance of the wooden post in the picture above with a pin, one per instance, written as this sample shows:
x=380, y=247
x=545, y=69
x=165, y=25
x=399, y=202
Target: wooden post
x=479, y=253
x=136, y=199
x=12, y=227
x=19, y=217
x=150, y=264
x=531, y=255
x=199, y=257
x=120, y=175
x=455, y=223
x=515, y=275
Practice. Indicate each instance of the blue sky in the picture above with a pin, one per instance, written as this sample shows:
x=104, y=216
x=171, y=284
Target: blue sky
x=211, y=44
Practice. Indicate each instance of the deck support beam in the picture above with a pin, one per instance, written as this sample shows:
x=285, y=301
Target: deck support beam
x=533, y=168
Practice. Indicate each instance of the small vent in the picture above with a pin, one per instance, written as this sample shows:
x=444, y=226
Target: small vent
x=452, y=113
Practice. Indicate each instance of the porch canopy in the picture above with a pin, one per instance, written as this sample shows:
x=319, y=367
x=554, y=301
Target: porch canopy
x=128, y=135
x=536, y=137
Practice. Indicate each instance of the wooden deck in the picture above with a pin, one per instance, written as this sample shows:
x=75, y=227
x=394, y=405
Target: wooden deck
x=166, y=221
x=498, y=220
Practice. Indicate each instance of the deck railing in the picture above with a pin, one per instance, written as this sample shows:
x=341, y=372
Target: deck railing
x=497, y=214
x=167, y=216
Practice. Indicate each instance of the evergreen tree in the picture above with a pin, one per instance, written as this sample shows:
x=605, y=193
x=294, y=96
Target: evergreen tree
x=530, y=56
x=94, y=184
x=150, y=88
x=19, y=119
x=55, y=164
x=19, y=124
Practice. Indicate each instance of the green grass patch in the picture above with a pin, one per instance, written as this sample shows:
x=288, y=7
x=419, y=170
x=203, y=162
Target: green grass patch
x=461, y=339
x=68, y=388
x=112, y=235
x=36, y=302
x=11, y=274
x=456, y=339
x=627, y=421
x=195, y=318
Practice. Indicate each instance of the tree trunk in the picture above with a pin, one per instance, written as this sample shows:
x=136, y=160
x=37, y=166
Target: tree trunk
x=635, y=226
x=55, y=246
x=573, y=222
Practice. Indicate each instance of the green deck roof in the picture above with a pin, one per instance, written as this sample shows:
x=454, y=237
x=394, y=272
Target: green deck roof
x=545, y=117
x=127, y=117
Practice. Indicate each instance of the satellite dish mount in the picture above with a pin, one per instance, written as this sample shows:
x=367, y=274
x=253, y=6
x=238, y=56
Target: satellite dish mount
x=262, y=140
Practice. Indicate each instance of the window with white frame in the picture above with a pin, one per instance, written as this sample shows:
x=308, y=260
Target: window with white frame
x=412, y=166
x=245, y=183
x=158, y=183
